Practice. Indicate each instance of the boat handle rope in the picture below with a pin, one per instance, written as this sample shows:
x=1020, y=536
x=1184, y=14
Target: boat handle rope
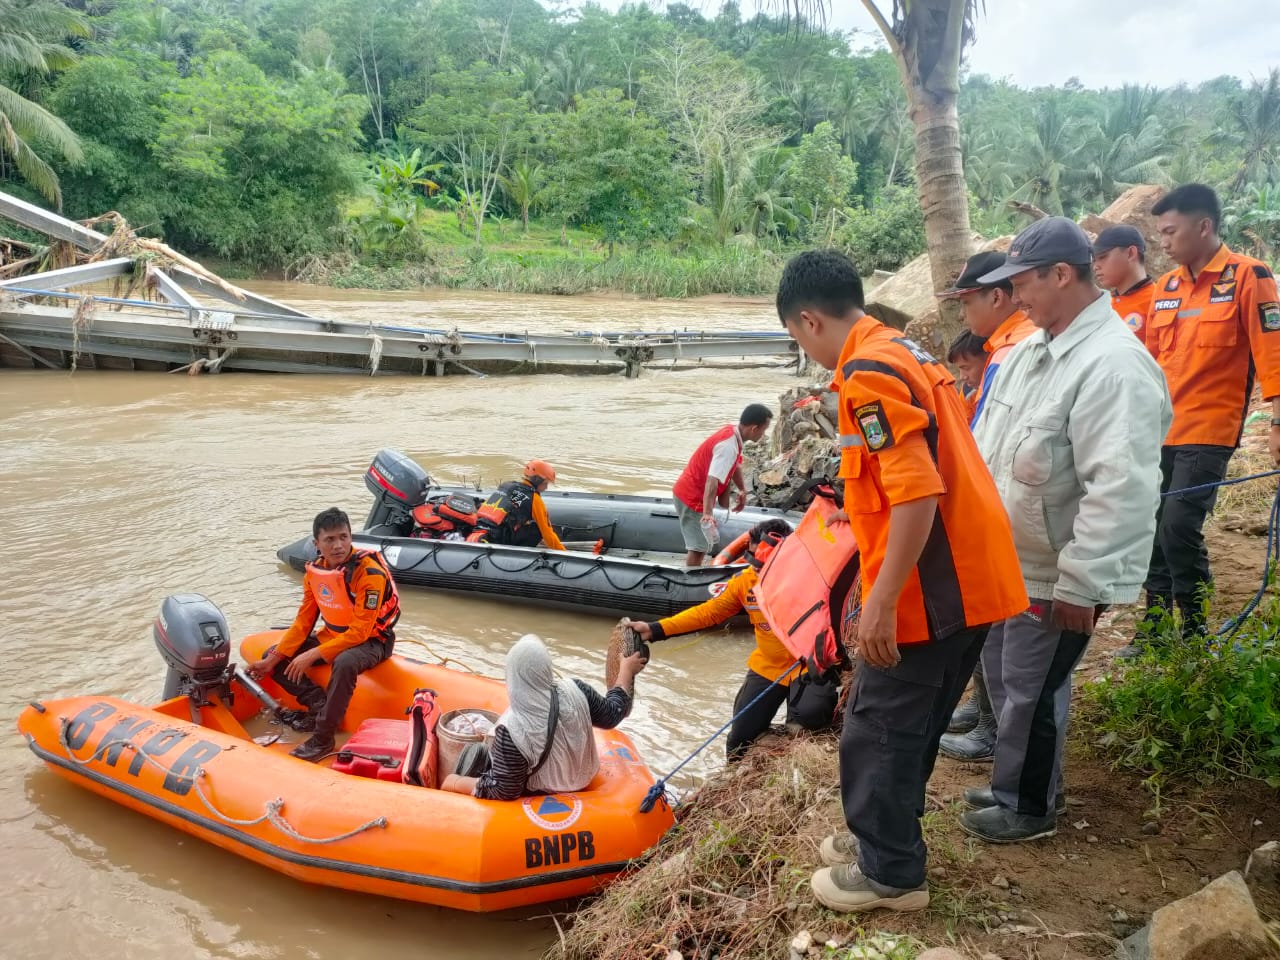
x=273, y=813
x=659, y=789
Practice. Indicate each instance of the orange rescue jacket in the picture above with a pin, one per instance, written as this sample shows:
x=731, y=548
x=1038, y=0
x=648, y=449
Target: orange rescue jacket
x=904, y=437
x=1134, y=304
x=1209, y=335
x=355, y=602
x=770, y=658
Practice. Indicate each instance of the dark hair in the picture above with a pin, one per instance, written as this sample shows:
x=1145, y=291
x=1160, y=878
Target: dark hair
x=825, y=279
x=755, y=415
x=1084, y=271
x=330, y=519
x=765, y=527
x=1191, y=199
x=968, y=344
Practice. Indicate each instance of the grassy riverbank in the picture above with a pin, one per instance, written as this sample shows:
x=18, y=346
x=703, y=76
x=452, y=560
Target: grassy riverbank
x=548, y=260
x=1171, y=778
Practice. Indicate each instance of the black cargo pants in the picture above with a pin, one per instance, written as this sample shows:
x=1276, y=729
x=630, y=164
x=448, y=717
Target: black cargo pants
x=334, y=699
x=1179, y=559
x=892, y=725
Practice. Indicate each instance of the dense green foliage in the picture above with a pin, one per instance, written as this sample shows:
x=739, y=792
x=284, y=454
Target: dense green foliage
x=1184, y=712
x=273, y=132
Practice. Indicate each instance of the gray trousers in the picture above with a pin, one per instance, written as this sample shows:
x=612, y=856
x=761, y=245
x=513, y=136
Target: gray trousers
x=1028, y=663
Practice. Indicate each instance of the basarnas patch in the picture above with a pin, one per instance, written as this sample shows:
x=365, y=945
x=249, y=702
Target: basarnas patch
x=1269, y=316
x=874, y=426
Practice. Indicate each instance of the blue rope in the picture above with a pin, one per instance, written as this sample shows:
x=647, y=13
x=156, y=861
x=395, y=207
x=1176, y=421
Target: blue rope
x=1229, y=628
x=1221, y=483
x=659, y=788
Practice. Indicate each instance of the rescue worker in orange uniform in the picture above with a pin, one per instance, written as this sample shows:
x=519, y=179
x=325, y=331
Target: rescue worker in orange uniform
x=810, y=703
x=918, y=497
x=1214, y=325
x=351, y=593
x=968, y=355
x=1120, y=264
x=988, y=311
x=515, y=514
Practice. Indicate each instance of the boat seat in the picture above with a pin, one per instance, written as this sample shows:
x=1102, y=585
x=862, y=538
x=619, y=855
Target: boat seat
x=376, y=750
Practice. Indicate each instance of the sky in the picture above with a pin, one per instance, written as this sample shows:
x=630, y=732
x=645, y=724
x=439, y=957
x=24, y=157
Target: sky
x=1106, y=43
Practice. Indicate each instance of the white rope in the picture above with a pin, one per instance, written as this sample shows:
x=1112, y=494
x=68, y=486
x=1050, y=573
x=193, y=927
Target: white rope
x=273, y=813
x=375, y=352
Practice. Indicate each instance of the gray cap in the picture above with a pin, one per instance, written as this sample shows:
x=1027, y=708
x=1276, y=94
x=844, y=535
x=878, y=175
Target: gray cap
x=1044, y=243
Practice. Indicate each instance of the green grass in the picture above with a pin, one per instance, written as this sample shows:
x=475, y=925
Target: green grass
x=543, y=261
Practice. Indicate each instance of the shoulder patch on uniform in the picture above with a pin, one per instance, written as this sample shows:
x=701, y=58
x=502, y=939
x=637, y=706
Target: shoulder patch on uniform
x=371, y=598
x=1262, y=271
x=874, y=426
x=920, y=353
x=1269, y=316
x=1228, y=274
x=1171, y=284
x=1168, y=303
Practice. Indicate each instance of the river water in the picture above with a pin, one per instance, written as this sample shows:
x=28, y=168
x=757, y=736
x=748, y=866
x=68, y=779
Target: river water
x=117, y=489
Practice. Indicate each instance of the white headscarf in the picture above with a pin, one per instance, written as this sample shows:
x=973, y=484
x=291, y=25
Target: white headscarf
x=573, y=760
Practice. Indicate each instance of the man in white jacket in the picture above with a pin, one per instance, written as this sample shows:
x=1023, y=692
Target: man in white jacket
x=1072, y=434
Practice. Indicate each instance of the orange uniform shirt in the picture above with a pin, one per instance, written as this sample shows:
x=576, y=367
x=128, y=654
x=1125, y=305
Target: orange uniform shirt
x=371, y=593
x=1134, y=304
x=1013, y=331
x=770, y=658
x=544, y=524
x=904, y=437
x=1210, y=335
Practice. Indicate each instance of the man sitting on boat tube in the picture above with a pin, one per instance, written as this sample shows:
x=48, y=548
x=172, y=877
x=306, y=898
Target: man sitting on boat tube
x=352, y=593
x=515, y=515
x=543, y=743
x=811, y=705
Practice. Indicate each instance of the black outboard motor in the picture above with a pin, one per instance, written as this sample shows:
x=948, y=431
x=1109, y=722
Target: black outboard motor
x=192, y=637
x=398, y=485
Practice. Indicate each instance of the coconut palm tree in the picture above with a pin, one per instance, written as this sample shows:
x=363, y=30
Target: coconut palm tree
x=30, y=41
x=1253, y=128
x=524, y=185
x=1051, y=164
x=1130, y=146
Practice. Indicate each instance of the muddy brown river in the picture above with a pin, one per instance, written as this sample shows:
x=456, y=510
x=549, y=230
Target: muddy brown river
x=118, y=489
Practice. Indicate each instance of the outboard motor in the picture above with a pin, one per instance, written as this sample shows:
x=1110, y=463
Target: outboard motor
x=192, y=637
x=398, y=485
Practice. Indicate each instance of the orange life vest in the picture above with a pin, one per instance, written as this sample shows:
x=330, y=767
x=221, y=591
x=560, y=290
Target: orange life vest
x=332, y=591
x=806, y=581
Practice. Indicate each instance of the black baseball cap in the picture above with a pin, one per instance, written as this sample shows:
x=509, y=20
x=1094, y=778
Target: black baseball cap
x=974, y=268
x=1044, y=243
x=1121, y=236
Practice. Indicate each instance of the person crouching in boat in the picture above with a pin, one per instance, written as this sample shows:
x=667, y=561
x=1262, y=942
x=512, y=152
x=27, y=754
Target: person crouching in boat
x=515, y=514
x=811, y=704
x=543, y=743
x=352, y=593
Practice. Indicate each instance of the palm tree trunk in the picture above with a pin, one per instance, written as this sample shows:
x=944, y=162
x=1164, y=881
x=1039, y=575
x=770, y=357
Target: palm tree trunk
x=944, y=198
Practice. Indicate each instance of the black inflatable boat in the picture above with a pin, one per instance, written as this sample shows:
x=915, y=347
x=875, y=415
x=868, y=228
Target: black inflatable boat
x=639, y=570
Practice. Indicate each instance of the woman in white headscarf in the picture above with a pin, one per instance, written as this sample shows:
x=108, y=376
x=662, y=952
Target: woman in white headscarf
x=543, y=743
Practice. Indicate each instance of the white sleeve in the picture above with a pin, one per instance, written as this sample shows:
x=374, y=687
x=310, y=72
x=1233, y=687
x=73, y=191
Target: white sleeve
x=1117, y=425
x=724, y=457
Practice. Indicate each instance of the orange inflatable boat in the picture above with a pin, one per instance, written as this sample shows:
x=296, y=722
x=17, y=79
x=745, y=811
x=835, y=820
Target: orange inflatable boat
x=190, y=762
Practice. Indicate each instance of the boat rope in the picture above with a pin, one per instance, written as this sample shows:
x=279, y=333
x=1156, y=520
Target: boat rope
x=273, y=813
x=375, y=352
x=443, y=661
x=659, y=789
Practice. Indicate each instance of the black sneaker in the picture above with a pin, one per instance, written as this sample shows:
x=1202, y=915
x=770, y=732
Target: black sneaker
x=1002, y=825
x=302, y=720
x=980, y=798
x=317, y=747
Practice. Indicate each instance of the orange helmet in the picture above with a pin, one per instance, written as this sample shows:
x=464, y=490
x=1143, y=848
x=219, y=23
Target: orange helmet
x=539, y=471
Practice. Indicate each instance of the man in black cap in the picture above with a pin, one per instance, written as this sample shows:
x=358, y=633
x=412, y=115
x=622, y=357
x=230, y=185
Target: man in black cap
x=988, y=310
x=1120, y=264
x=1071, y=434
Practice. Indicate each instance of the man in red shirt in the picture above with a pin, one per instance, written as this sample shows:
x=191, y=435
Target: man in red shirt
x=705, y=480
